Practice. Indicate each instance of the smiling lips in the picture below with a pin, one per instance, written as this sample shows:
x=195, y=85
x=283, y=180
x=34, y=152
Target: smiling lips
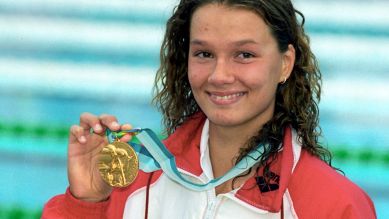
x=224, y=98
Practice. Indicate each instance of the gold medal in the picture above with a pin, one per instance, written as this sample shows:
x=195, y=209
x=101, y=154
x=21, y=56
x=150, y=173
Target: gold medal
x=118, y=164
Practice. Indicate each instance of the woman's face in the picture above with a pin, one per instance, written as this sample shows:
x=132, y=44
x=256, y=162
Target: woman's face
x=234, y=65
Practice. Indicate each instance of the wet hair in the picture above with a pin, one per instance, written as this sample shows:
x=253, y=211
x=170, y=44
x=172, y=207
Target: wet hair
x=296, y=99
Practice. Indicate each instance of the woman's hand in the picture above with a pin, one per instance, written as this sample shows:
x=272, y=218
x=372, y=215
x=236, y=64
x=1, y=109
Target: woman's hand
x=85, y=142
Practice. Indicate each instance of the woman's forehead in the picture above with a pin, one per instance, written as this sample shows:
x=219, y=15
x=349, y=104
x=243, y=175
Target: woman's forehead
x=224, y=22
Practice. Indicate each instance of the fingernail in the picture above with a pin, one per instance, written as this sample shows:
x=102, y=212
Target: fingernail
x=82, y=139
x=115, y=125
x=98, y=128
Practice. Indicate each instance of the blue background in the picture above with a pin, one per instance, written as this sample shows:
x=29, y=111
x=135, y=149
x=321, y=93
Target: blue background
x=60, y=58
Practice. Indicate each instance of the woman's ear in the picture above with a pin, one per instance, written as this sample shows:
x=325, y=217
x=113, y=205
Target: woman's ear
x=288, y=59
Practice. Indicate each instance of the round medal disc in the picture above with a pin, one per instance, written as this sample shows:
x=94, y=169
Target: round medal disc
x=118, y=164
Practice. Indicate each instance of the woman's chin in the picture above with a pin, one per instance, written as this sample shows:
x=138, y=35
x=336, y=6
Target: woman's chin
x=225, y=119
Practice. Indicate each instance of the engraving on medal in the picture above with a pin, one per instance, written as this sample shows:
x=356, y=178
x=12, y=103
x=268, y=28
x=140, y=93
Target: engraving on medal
x=118, y=164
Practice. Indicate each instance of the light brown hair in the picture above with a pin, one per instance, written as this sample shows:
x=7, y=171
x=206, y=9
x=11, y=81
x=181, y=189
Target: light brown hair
x=296, y=100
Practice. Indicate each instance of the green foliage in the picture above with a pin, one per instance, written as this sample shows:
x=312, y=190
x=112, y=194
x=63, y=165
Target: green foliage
x=17, y=212
x=19, y=129
x=367, y=155
x=340, y=152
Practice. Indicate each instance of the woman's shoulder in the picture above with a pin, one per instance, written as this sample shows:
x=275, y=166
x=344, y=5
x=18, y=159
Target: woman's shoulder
x=314, y=181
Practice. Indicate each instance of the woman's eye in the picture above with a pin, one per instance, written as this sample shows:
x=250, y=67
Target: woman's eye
x=204, y=55
x=245, y=55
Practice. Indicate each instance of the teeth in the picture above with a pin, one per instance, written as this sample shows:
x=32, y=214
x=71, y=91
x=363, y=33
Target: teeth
x=227, y=97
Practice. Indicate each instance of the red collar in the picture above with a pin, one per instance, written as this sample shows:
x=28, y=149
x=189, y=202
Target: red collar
x=184, y=144
x=275, y=184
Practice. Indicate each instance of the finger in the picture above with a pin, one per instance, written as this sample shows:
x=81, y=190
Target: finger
x=127, y=137
x=77, y=134
x=126, y=127
x=110, y=122
x=89, y=121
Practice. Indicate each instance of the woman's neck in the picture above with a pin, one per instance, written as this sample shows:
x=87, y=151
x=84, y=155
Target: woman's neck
x=225, y=144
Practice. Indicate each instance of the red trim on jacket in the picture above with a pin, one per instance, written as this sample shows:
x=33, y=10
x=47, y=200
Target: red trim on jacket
x=318, y=191
x=184, y=144
x=282, y=166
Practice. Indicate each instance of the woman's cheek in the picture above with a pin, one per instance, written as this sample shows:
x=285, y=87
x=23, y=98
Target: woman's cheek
x=197, y=74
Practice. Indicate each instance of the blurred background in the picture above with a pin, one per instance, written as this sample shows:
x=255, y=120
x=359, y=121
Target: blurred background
x=59, y=58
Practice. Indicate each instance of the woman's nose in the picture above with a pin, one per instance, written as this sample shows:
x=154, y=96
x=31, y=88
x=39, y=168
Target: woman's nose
x=222, y=73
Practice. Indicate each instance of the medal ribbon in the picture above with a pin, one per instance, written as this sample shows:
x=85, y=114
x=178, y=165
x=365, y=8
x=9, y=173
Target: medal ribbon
x=154, y=156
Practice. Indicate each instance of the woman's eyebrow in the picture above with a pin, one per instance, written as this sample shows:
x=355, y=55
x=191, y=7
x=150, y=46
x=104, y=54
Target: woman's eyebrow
x=198, y=42
x=244, y=42
x=236, y=43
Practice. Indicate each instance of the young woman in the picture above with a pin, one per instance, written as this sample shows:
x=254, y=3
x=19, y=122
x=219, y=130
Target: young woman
x=236, y=76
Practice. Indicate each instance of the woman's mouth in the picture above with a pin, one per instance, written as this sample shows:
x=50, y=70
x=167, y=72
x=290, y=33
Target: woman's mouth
x=223, y=98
